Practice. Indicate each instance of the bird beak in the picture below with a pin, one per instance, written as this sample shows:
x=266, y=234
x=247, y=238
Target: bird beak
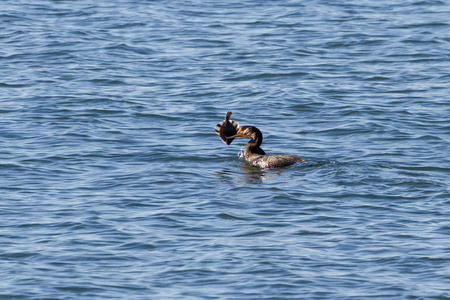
x=240, y=133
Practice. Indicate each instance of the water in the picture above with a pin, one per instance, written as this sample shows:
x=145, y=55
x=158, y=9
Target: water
x=114, y=184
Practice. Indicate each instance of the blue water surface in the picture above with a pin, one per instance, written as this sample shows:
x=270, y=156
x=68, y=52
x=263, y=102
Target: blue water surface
x=114, y=185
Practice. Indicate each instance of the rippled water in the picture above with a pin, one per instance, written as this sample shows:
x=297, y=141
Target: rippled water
x=114, y=184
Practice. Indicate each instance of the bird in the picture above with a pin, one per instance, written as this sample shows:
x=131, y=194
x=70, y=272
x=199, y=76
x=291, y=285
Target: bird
x=227, y=128
x=256, y=156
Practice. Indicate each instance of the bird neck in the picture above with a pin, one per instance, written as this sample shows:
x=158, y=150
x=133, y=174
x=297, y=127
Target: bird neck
x=253, y=146
x=252, y=149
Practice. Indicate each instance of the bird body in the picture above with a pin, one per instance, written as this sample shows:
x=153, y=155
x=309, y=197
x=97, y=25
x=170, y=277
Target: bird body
x=256, y=156
x=273, y=161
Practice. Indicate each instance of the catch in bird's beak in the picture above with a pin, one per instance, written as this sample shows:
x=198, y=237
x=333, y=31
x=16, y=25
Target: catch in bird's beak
x=240, y=133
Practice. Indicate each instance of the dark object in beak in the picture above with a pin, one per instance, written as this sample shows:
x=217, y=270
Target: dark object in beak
x=239, y=133
x=227, y=128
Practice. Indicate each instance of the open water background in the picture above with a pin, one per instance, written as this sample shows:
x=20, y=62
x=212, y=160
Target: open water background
x=114, y=185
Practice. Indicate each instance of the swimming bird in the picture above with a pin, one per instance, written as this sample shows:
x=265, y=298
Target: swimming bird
x=256, y=156
x=227, y=128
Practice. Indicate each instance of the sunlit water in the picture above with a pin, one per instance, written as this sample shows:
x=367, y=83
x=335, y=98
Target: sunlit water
x=114, y=184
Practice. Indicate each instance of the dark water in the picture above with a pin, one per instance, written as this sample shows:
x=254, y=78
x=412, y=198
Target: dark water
x=114, y=185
